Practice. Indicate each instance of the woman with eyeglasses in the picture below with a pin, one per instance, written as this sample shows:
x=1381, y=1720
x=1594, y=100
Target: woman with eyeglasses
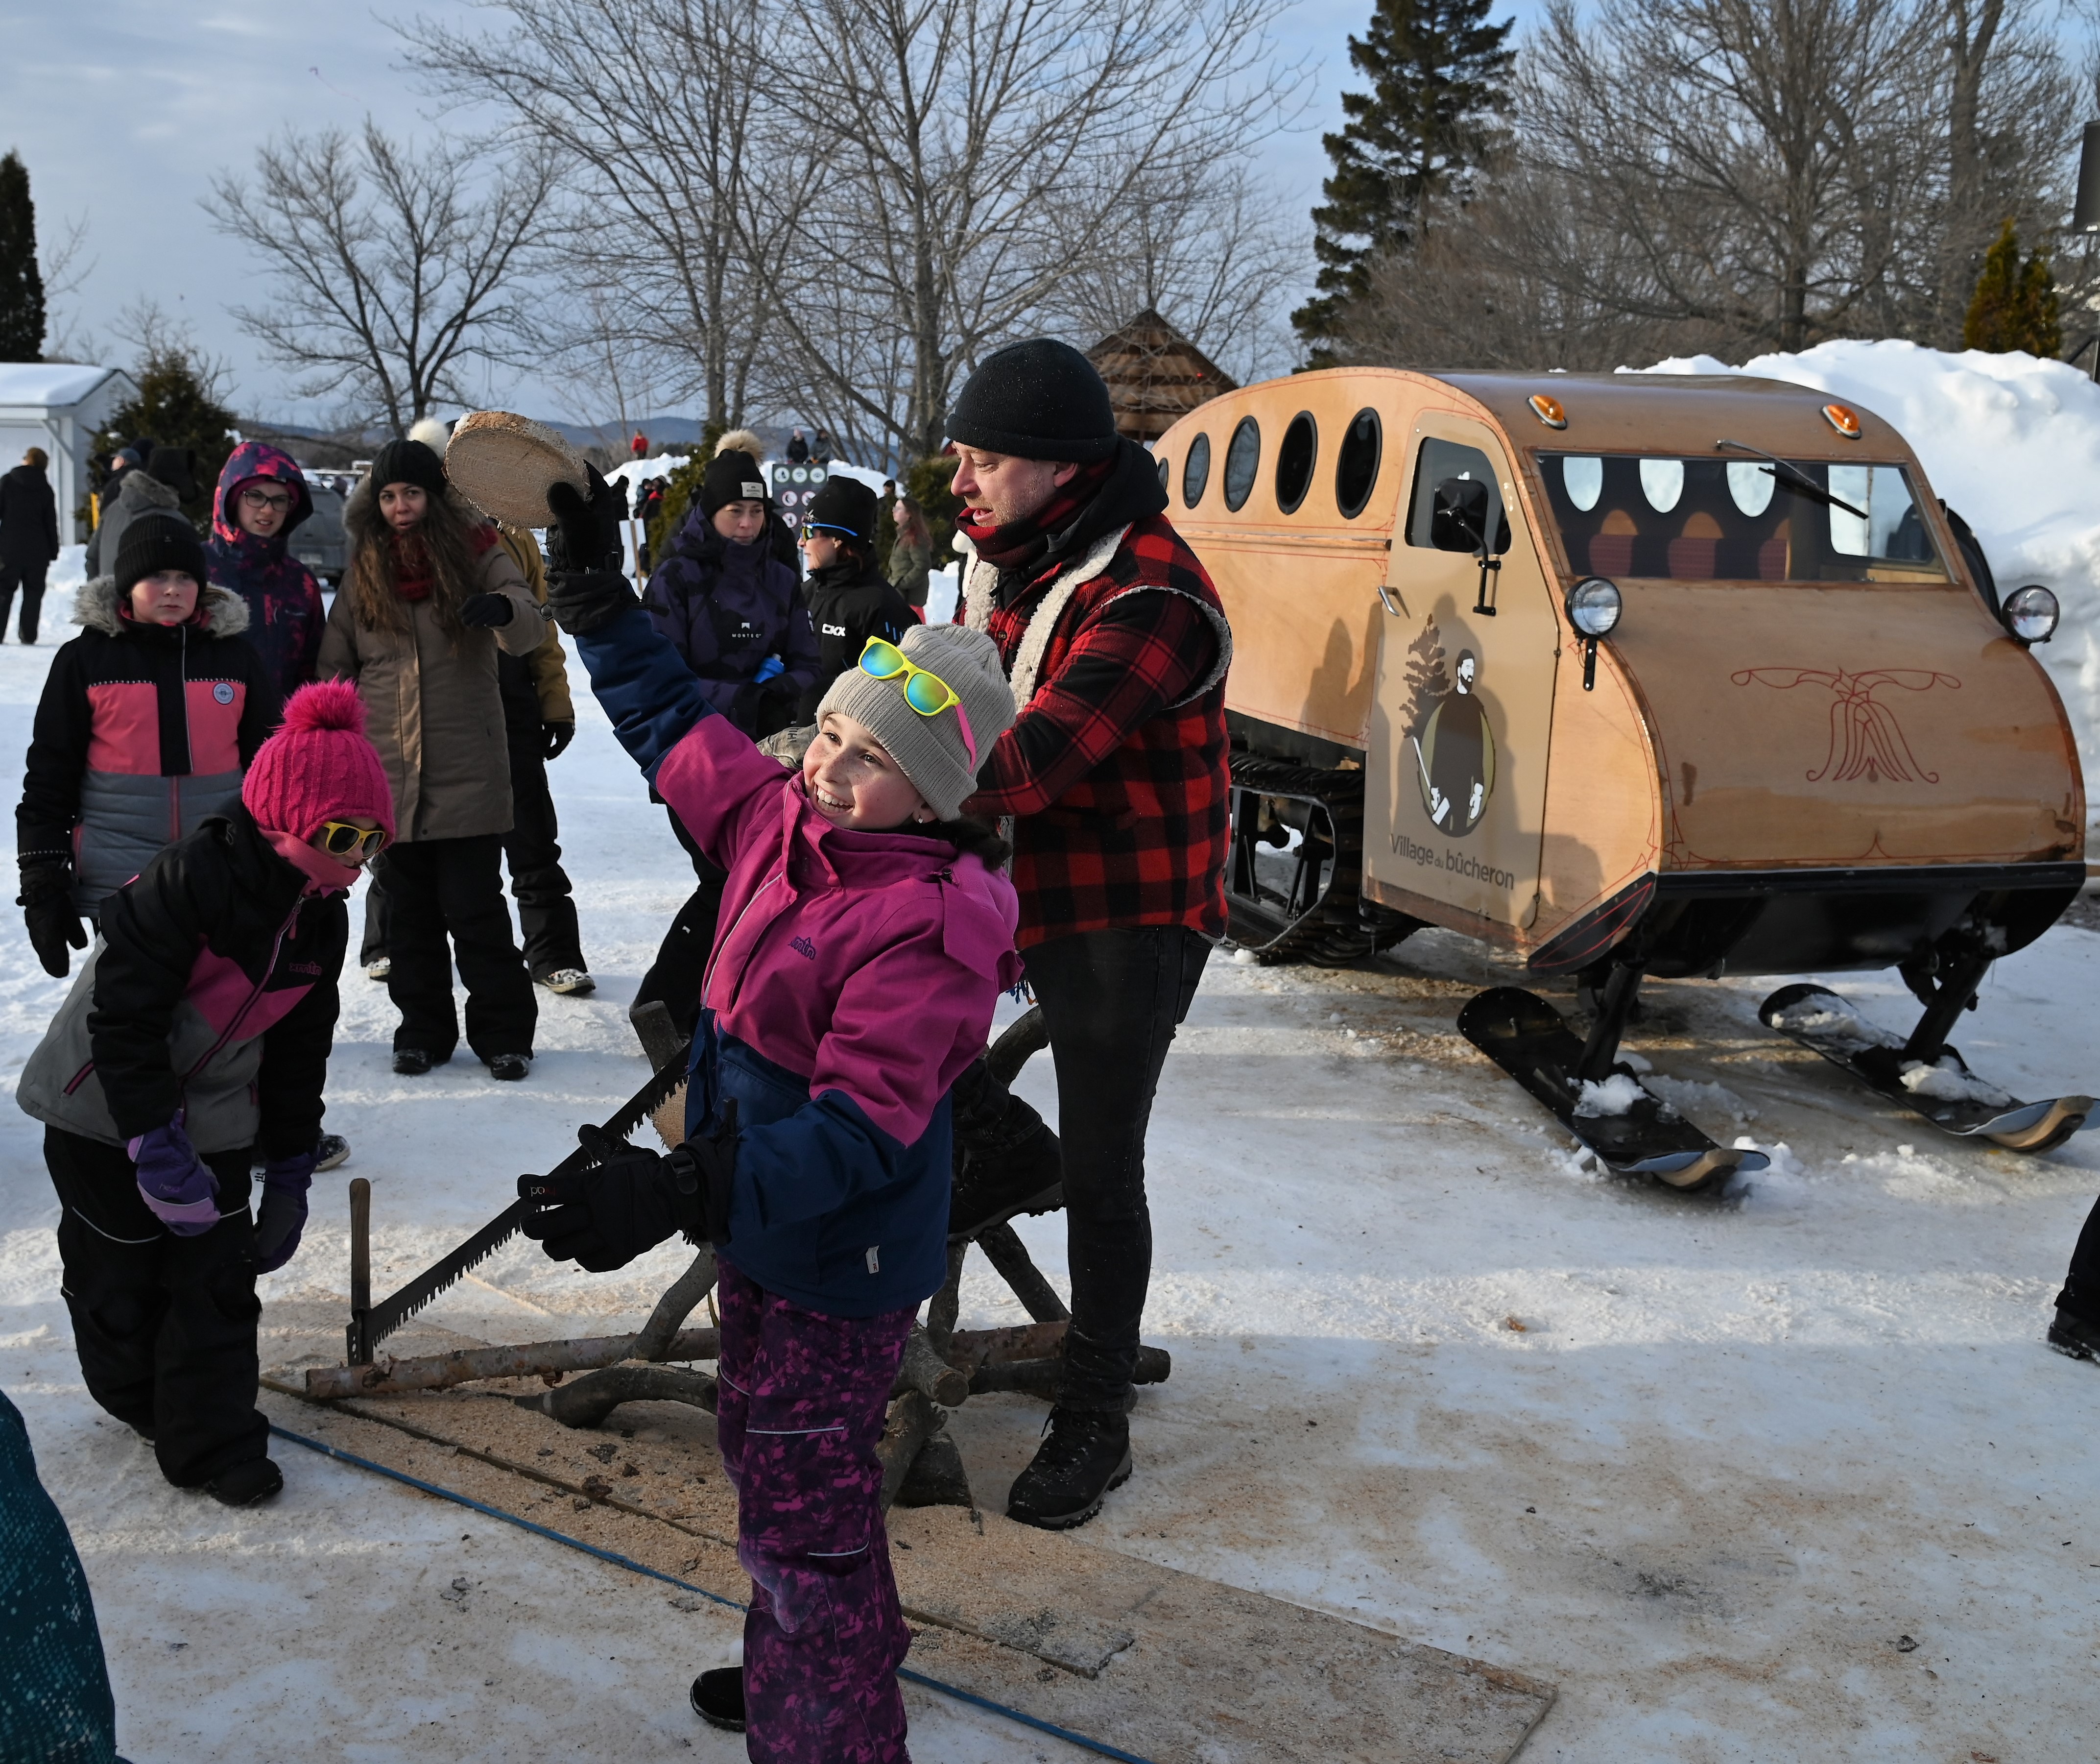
x=192, y=1049
x=261, y=501
x=850, y=603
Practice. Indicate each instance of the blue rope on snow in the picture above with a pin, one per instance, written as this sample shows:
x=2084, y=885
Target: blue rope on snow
x=956, y=1691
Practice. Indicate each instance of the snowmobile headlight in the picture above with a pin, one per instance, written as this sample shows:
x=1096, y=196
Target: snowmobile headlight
x=2030, y=613
x=1594, y=606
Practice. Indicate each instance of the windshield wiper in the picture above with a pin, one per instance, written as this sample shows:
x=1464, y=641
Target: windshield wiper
x=1786, y=472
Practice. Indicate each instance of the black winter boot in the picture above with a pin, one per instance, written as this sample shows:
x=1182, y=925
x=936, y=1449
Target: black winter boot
x=718, y=1698
x=2074, y=1336
x=247, y=1484
x=412, y=1061
x=1086, y=1454
x=1007, y=1159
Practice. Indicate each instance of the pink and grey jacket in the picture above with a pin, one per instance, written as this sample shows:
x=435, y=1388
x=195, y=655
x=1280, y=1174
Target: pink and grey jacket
x=143, y=731
x=852, y=981
x=210, y=997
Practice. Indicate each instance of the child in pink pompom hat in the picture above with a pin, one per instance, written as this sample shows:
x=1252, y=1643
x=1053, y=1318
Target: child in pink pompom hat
x=166, y=1076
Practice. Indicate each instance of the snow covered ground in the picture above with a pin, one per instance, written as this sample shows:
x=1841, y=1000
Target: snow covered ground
x=1714, y=1469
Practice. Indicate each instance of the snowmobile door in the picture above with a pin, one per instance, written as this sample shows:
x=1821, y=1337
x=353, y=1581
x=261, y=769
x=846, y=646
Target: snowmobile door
x=1462, y=707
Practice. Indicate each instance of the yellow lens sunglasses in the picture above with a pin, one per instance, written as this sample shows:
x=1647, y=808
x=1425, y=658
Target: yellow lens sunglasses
x=927, y=693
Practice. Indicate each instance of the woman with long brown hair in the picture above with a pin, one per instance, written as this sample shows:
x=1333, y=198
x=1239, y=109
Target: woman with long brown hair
x=911, y=556
x=428, y=598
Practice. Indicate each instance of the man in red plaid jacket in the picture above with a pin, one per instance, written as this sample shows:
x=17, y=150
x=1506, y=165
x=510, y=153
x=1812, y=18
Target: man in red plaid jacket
x=1115, y=777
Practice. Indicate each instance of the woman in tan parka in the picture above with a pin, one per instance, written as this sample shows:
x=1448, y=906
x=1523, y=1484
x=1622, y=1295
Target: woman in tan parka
x=428, y=598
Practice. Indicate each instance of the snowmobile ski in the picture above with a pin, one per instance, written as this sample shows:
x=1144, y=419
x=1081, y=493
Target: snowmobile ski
x=1944, y=1091
x=1632, y=1131
x=369, y=1328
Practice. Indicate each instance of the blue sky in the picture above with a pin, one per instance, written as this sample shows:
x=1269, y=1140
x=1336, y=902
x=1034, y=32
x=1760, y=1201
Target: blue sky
x=124, y=110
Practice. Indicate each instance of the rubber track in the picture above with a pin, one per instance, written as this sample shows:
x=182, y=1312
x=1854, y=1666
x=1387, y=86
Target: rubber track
x=1331, y=934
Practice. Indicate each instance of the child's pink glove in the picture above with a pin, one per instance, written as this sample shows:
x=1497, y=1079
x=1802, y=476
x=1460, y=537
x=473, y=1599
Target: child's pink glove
x=173, y=1181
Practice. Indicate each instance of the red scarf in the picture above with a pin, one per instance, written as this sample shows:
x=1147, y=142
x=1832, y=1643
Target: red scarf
x=414, y=574
x=1020, y=542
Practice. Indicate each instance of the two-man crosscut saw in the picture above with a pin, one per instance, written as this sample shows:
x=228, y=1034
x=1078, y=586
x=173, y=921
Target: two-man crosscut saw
x=370, y=1325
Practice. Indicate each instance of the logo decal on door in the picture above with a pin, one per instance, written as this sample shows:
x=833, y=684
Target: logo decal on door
x=1447, y=736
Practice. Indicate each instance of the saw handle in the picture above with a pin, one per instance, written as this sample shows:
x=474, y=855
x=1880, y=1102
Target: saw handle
x=360, y=1270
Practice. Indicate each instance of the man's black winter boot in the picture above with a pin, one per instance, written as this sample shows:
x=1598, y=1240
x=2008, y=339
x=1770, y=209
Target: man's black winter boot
x=412, y=1061
x=718, y=1698
x=1087, y=1454
x=2073, y=1335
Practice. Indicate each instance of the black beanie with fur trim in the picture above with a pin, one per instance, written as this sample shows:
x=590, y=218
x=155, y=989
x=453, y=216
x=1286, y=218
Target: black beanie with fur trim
x=408, y=462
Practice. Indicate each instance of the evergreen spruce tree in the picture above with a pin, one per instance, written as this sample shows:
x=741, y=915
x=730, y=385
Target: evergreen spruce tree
x=1438, y=72
x=2014, y=306
x=21, y=282
x=178, y=407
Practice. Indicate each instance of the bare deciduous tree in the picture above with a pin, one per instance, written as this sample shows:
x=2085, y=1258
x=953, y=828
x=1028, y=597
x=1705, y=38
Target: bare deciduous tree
x=1737, y=175
x=982, y=156
x=395, y=266
x=685, y=197
x=1214, y=255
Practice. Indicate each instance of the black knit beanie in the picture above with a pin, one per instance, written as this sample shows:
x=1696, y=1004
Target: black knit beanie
x=159, y=540
x=846, y=505
x=171, y=465
x=1038, y=399
x=408, y=463
x=731, y=477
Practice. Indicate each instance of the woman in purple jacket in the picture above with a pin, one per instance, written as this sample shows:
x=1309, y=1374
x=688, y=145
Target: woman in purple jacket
x=868, y=937
x=732, y=609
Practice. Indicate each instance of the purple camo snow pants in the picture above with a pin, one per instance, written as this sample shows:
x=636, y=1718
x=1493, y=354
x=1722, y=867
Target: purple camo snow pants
x=801, y=1401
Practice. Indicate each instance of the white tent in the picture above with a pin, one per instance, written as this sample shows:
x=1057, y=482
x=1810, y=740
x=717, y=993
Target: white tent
x=58, y=406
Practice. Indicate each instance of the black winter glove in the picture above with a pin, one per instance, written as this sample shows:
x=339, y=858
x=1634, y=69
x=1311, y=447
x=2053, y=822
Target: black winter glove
x=486, y=612
x=632, y=1199
x=587, y=524
x=46, y=901
x=556, y=737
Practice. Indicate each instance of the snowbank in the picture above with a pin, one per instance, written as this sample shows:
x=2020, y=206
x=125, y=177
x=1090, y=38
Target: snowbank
x=2011, y=442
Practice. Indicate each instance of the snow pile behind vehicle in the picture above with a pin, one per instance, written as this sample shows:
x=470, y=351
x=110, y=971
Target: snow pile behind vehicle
x=2013, y=444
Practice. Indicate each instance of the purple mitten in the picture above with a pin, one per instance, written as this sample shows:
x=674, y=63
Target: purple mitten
x=282, y=1217
x=173, y=1181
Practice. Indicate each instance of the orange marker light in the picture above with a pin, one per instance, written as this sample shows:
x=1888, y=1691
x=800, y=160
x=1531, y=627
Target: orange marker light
x=1846, y=423
x=1548, y=411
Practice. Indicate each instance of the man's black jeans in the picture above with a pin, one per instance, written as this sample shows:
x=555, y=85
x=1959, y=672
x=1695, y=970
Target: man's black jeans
x=1111, y=1001
x=2081, y=1286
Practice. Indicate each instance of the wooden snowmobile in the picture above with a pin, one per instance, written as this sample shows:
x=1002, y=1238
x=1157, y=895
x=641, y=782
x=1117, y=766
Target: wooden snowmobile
x=1634, y=676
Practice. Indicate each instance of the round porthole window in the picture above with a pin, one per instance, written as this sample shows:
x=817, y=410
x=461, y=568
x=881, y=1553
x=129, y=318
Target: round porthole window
x=1164, y=469
x=1196, y=471
x=1357, y=466
x=1242, y=457
x=1294, y=462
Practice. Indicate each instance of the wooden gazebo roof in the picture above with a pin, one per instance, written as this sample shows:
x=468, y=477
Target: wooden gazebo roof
x=1155, y=375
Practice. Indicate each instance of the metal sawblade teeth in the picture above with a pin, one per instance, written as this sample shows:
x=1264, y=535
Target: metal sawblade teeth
x=391, y=1313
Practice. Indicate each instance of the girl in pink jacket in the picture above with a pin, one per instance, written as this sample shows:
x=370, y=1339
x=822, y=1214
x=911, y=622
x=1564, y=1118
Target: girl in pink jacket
x=867, y=934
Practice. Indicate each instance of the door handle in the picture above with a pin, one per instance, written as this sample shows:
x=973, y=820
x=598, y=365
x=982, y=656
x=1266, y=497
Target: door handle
x=1396, y=612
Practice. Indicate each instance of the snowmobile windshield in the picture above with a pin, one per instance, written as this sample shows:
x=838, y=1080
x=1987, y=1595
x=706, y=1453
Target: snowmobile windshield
x=1738, y=516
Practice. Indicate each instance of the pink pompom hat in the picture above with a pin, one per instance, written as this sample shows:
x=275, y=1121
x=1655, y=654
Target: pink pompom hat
x=319, y=767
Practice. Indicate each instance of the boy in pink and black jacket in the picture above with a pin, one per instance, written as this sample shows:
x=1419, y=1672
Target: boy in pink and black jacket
x=143, y=731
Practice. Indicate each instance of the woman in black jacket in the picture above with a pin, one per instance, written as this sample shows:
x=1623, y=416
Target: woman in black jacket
x=193, y=1045
x=849, y=602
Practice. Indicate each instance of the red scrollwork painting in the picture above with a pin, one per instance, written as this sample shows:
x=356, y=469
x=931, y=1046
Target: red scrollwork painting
x=1866, y=739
